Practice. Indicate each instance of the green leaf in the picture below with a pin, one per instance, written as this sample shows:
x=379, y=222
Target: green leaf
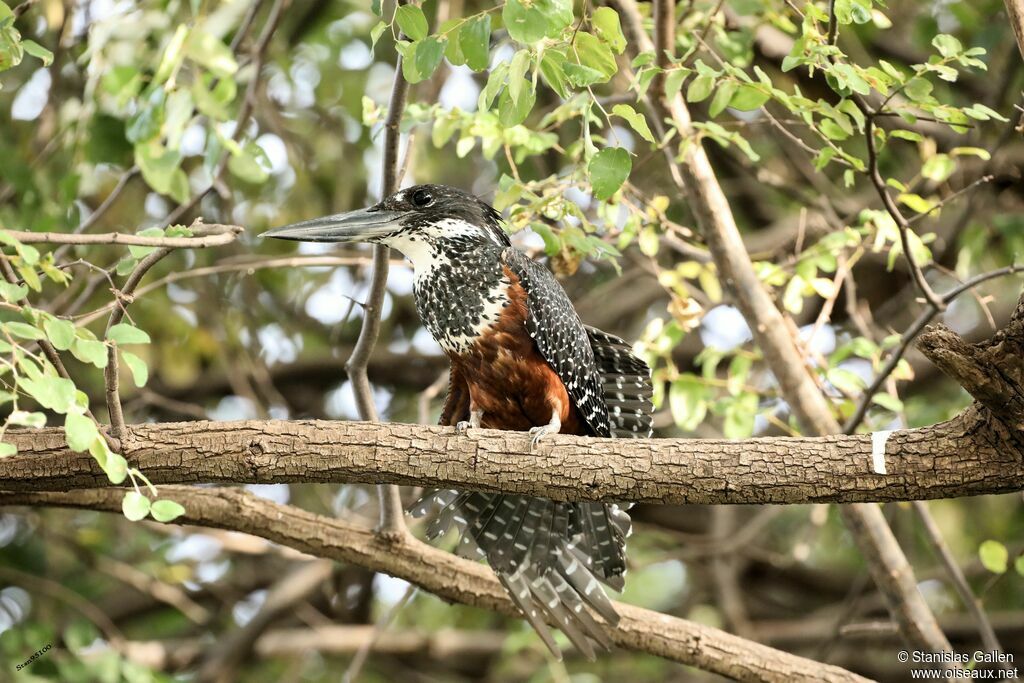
x=11, y=292
x=918, y=89
x=637, y=121
x=124, y=333
x=158, y=165
x=739, y=417
x=590, y=52
x=947, y=45
x=552, y=68
x=55, y=393
x=89, y=351
x=428, y=55
x=80, y=432
x=38, y=51
x=24, y=331
x=376, y=32
x=138, y=368
x=475, y=41
x=888, y=401
x=246, y=164
x=135, y=506
x=528, y=21
x=115, y=466
x=580, y=76
x=166, y=510
x=722, y=97
x=452, y=46
x=512, y=112
x=7, y=449
x=172, y=54
x=26, y=419
x=687, y=399
x=938, y=168
x=915, y=202
x=608, y=170
x=412, y=21
x=748, y=98
x=1018, y=564
x=208, y=50
x=61, y=332
x=700, y=88
x=214, y=101
x=607, y=26
x=845, y=380
x=994, y=556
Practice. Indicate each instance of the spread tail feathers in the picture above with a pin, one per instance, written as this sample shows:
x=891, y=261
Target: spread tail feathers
x=552, y=557
x=626, y=381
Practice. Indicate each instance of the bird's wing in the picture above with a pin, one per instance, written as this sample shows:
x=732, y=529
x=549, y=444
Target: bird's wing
x=561, y=338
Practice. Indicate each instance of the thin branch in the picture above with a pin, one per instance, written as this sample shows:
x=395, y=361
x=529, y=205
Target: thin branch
x=392, y=512
x=890, y=206
x=457, y=579
x=833, y=23
x=957, y=578
x=908, y=337
x=224, y=234
x=219, y=235
x=235, y=266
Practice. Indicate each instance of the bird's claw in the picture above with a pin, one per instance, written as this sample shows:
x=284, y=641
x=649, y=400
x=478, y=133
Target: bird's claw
x=538, y=433
x=475, y=417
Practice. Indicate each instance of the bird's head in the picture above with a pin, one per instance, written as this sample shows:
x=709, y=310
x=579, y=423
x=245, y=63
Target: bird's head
x=417, y=220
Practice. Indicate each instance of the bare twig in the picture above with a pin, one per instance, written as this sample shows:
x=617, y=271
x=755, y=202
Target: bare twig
x=217, y=235
x=392, y=513
x=957, y=578
x=908, y=337
x=833, y=23
x=894, y=211
x=223, y=234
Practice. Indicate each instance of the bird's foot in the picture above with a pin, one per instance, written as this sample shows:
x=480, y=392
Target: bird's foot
x=542, y=431
x=474, y=421
x=539, y=433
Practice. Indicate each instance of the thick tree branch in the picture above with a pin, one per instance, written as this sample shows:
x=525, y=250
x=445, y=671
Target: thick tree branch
x=456, y=579
x=968, y=455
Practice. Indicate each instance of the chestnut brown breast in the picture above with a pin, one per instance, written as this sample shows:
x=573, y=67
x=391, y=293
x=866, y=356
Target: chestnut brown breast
x=506, y=377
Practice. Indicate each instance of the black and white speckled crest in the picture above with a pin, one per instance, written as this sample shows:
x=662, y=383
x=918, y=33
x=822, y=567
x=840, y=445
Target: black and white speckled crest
x=425, y=207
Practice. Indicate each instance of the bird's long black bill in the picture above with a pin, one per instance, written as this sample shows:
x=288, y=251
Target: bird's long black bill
x=355, y=226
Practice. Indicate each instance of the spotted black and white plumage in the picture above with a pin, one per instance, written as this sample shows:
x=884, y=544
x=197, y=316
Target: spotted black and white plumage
x=555, y=327
x=474, y=292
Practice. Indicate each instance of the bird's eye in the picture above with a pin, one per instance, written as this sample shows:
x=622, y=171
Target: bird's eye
x=421, y=198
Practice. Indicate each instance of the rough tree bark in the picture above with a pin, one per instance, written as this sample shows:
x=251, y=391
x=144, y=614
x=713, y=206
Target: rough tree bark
x=968, y=455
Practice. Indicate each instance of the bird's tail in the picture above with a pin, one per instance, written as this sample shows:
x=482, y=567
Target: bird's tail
x=626, y=381
x=551, y=556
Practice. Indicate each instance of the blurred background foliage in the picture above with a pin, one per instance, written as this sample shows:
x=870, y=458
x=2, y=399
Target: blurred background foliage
x=124, y=116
